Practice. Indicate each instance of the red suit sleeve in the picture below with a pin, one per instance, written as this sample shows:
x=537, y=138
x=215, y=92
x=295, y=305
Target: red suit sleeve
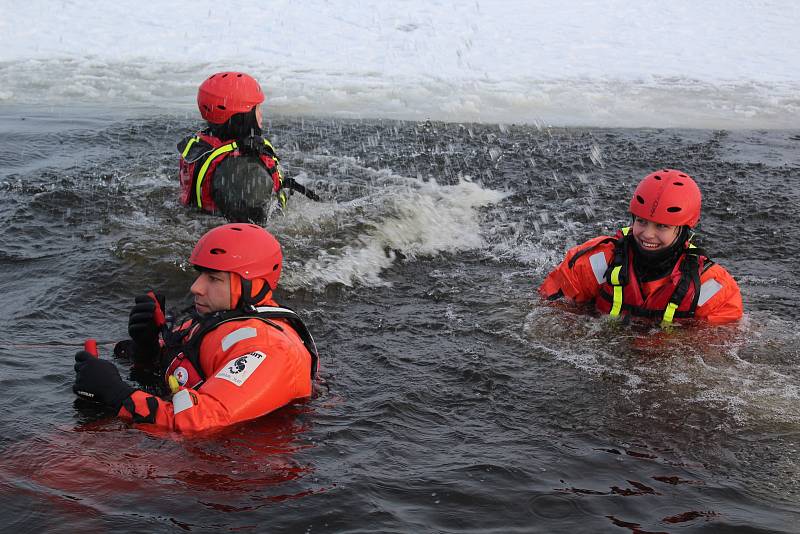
x=724, y=305
x=578, y=282
x=250, y=378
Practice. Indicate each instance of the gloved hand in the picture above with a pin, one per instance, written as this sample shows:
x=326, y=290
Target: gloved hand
x=145, y=321
x=98, y=380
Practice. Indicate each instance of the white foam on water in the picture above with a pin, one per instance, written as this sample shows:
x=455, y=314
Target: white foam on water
x=708, y=366
x=396, y=218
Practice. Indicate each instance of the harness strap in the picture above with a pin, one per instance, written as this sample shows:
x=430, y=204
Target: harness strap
x=640, y=311
x=299, y=326
x=201, y=175
x=586, y=250
x=617, y=277
x=188, y=147
x=263, y=313
x=617, y=272
x=690, y=268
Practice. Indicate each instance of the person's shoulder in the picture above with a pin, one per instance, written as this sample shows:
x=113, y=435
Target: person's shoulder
x=267, y=335
x=598, y=243
x=268, y=328
x=711, y=268
x=715, y=271
x=193, y=146
x=599, y=240
x=268, y=149
x=718, y=287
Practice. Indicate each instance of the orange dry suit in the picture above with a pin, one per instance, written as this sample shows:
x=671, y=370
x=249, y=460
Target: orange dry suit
x=231, y=366
x=602, y=270
x=202, y=153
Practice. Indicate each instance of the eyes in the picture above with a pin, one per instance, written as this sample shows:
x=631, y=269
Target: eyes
x=644, y=222
x=216, y=278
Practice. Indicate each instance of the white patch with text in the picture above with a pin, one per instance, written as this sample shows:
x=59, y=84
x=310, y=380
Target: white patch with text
x=239, y=369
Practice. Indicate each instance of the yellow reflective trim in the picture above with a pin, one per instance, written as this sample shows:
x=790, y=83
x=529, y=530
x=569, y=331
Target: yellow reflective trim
x=615, y=309
x=617, y=305
x=615, y=275
x=625, y=230
x=192, y=141
x=282, y=198
x=669, y=315
x=198, y=187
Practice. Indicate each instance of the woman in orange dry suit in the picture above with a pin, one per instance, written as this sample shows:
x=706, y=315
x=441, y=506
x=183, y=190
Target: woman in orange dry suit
x=229, y=168
x=651, y=269
x=239, y=357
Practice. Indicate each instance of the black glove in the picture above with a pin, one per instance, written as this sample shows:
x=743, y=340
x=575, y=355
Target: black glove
x=143, y=326
x=98, y=380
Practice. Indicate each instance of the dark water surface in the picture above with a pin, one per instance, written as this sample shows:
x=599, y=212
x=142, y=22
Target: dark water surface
x=453, y=399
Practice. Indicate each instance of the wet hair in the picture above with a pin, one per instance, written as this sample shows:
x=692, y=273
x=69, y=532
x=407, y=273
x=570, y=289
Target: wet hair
x=239, y=127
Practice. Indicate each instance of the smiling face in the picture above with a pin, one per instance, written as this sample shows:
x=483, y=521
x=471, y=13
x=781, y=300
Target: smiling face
x=212, y=292
x=652, y=236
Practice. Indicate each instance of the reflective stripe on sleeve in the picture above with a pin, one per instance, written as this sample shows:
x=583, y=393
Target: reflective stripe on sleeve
x=708, y=289
x=181, y=401
x=238, y=335
x=599, y=266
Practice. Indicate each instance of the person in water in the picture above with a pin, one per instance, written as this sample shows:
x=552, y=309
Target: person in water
x=230, y=168
x=238, y=357
x=650, y=269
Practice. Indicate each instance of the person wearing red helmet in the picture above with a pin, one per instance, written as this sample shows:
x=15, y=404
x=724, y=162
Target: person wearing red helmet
x=650, y=270
x=238, y=357
x=230, y=168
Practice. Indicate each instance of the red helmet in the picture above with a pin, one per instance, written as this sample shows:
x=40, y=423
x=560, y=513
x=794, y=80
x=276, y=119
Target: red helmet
x=225, y=94
x=244, y=249
x=667, y=197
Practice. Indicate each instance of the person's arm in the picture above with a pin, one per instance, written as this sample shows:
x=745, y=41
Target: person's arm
x=720, y=299
x=580, y=281
x=256, y=376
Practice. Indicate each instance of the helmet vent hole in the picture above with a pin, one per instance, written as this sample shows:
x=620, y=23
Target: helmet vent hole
x=657, y=177
x=225, y=75
x=673, y=209
x=217, y=251
x=220, y=106
x=276, y=267
x=677, y=183
x=239, y=75
x=236, y=229
x=639, y=199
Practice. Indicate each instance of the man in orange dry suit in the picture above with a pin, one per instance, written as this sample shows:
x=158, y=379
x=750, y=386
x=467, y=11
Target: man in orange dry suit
x=650, y=269
x=229, y=168
x=239, y=357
